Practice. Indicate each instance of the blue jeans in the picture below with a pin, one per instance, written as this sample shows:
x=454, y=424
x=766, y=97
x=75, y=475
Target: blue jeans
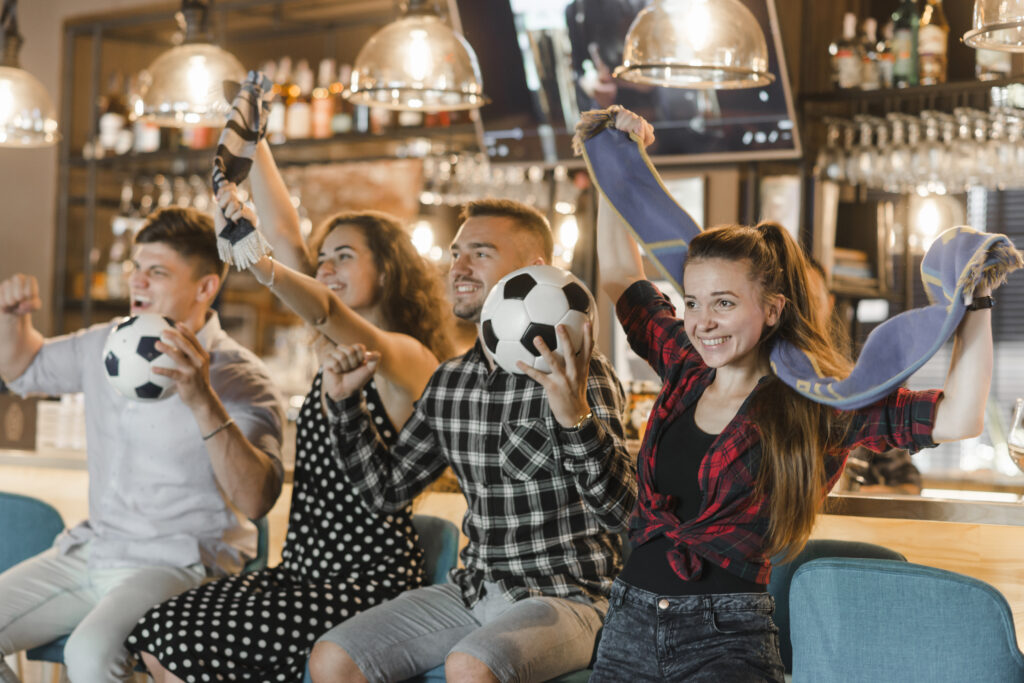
x=721, y=638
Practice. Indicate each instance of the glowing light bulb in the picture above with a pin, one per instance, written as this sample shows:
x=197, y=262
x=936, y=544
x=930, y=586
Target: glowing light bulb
x=198, y=79
x=419, y=62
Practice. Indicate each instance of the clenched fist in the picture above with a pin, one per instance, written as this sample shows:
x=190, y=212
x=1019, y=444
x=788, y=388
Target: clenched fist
x=19, y=295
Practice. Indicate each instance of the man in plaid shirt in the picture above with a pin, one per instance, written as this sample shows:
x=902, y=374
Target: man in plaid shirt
x=548, y=483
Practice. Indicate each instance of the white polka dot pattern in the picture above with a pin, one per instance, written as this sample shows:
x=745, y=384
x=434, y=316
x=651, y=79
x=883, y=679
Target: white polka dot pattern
x=339, y=558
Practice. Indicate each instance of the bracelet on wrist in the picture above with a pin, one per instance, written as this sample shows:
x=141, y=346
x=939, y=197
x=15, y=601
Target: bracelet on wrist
x=579, y=422
x=269, y=284
x=227, y=423
x=980, y=303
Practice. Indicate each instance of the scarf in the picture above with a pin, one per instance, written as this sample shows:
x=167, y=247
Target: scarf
x=957, y=261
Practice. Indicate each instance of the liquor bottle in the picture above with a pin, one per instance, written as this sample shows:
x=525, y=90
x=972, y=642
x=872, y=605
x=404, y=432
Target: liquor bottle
x=932, y=42
x=886, y=56
x=870, y=71
x=323, y=102
x=906, y=22
x=992, y=65
x=113, y=115
x=341, y=119
x=276, y=117
x=299, y=118
x=846, y=61
x=146, y=133
x=123, y=227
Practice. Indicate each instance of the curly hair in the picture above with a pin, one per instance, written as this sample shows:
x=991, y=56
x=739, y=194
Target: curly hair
x=412, y=299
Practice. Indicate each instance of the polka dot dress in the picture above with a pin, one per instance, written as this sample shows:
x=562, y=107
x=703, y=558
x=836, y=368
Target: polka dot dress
x=339, y=559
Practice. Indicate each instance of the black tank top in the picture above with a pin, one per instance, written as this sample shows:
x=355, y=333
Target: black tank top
x=681, y=449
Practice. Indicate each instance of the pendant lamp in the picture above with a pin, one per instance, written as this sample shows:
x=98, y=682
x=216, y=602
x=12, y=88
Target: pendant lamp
x=417, y=63
x=184, y=86
x=997, y=25
x=27, y=116
x=699, y=44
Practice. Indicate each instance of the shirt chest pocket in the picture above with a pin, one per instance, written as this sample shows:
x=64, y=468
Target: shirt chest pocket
x=526, y=451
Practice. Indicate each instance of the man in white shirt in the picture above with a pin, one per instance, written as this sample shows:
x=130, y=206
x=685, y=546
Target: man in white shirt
x=170, y=482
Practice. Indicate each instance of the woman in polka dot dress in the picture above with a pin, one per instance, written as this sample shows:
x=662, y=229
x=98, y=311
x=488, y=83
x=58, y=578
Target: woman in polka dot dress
x=374, y=290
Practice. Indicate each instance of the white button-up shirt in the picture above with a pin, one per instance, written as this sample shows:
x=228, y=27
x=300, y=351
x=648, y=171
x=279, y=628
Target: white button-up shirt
x=153, y=498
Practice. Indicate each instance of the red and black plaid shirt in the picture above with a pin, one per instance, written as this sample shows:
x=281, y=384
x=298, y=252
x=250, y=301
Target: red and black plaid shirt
x=732, y=526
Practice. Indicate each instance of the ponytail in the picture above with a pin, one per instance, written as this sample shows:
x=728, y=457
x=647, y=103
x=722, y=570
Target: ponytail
x=795, y=432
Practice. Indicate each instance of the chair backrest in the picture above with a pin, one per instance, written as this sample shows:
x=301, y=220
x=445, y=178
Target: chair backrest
x=29, y=527
x=782, y=576
x=262, y=546
x=881, y=620
x=439, y=540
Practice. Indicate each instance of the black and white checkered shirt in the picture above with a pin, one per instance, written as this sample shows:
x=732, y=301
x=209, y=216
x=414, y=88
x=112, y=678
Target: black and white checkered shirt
x=544, y=502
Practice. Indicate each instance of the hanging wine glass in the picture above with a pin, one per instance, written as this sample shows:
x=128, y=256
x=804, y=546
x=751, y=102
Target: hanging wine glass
x=830, y=164
x=963, y=152
x=930, y=156
x=900, y=172
x=861, y=162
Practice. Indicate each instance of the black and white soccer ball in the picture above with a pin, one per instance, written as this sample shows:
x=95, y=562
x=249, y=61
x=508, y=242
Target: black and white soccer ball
x=528, y=303
x=130, y=355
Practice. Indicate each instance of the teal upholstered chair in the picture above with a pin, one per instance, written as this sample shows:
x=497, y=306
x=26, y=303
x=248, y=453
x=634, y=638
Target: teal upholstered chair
x=859, y=620
x=782, y=577
x=29, y=527
x=54, y=650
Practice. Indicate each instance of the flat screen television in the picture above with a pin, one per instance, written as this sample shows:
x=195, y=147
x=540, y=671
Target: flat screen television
x=541, y=62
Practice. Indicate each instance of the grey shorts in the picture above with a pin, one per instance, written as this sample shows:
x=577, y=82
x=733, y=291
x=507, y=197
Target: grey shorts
x=535, y=639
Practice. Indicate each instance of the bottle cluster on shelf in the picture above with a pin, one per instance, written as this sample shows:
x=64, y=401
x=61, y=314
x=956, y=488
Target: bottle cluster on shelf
x=304, y=106
x=912, y=50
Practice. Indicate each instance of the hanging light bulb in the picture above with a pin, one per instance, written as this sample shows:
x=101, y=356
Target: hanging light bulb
x=997, y=25
x=27, y=116
x=184, y=86
x=700, y=44
x=417, y=63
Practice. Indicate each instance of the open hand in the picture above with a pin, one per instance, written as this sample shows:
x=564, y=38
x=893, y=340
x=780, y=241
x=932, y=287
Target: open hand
x=191, y=373
x=566, y=384
x=19, y=295
x=347, y=369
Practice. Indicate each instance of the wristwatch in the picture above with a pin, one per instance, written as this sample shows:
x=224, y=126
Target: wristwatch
x=579, y=422
x=981, y=302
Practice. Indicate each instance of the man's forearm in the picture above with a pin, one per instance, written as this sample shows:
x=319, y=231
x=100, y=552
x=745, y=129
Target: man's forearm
x=250, y=478
x=19, y=344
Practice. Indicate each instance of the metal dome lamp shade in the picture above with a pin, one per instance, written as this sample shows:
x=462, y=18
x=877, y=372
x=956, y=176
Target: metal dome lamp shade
x=184, y=86
x=417, y=63
x=27, y=115
x=698, y=44
x=997, y=25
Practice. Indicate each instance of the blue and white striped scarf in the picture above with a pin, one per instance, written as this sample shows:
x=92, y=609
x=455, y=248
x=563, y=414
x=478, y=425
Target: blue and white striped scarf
x=239, y=242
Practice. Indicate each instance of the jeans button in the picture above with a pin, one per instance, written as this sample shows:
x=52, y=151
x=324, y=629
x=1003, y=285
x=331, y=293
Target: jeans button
x=663, y=604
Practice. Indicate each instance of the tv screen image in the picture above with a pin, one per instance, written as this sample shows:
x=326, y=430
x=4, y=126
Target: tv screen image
x=545, y=61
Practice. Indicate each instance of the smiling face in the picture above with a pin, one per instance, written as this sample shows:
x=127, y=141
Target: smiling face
x=726, y=312
x=165, y=282
x=346, y=265
x=486, y=249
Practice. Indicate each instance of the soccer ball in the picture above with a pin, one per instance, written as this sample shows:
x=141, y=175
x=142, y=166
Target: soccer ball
x=528, y=303
x=130, y=355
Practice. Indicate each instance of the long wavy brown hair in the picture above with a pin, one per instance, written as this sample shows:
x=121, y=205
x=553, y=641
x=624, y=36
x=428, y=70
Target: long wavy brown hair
x=412, y=299
x=795, y=432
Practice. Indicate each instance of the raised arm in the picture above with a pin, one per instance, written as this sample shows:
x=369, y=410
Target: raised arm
x=279, y=220
x=20, y=341
x=960, y=413
x=405, y=362
x=618, y=256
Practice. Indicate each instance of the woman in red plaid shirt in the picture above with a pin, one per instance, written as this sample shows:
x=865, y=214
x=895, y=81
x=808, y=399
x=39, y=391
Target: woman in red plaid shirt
x=735, y=464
